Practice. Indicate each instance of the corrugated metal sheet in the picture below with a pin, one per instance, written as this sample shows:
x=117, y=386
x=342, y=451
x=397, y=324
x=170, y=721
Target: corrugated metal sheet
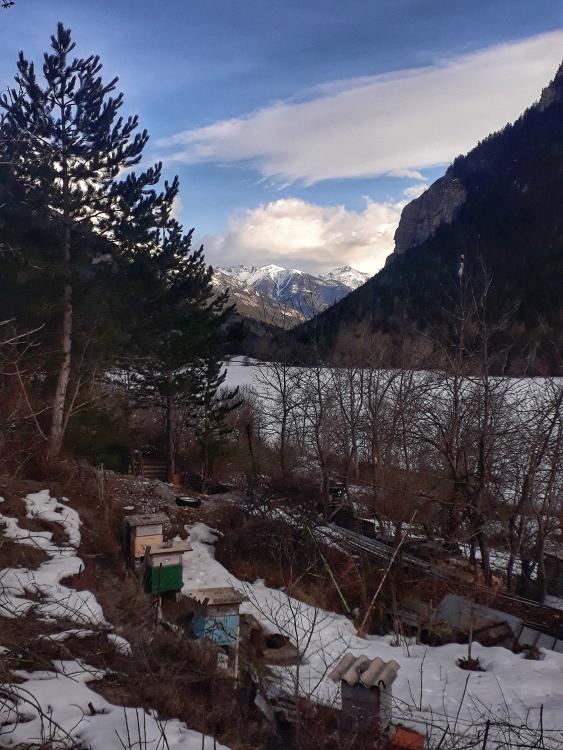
x=356, y=670
x=528, y=637
x=460, y=613
x=378, y=550
x=546, y=641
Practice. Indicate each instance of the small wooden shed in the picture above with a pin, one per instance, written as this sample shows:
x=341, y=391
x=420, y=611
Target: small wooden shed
x=164, y=567
x=142, y=531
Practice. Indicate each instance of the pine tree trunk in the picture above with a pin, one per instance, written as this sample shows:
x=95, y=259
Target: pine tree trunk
x=58, y=420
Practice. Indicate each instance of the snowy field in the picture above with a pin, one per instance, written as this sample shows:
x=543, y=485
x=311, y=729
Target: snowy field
x=430, y=690
x=53, y=707
x=241, y=372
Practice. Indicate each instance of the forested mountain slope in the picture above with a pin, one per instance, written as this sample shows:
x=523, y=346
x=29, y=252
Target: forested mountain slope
x=498, y=208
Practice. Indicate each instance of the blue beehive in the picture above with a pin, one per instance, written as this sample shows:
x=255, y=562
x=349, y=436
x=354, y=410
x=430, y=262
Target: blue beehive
x=219, y=620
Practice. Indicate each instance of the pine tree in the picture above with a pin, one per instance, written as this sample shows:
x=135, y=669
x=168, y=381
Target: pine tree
x=211, y=403
x=67, y=145
x=183, y=322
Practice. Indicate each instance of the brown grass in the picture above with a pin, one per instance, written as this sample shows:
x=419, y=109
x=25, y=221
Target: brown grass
x=14, y=555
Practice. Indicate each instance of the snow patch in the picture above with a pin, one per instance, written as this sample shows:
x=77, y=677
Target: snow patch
x=55, y=600
x=430, y=688
x=56, y=706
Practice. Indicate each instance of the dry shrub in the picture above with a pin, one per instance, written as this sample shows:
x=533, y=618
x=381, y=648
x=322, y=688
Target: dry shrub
x=319, y=727
x=38, y=524
x=179, y=679
x=30, y=647
x=14, y=555
x=285, y=555
x=262, y=548
x=177, y=522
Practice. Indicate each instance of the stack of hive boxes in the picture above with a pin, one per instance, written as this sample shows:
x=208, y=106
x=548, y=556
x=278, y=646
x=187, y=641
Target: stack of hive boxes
x=162, y=561
x=218, y=620
x=142, y=531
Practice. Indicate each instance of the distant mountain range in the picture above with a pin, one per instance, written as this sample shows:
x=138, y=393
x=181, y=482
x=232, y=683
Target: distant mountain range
x=498, y=208
x=271, y=293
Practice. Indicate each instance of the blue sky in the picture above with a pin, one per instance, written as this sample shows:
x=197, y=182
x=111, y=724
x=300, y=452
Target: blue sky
x=300, y=128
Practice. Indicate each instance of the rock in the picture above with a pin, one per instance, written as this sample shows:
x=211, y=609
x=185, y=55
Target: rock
x=553, y=92
x=422, y=216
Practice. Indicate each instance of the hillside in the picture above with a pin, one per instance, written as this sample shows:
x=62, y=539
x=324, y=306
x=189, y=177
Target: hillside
x=499, y=207
x=252, y=305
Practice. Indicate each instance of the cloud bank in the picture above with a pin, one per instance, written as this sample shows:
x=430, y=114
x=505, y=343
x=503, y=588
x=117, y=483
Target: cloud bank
x=398, y=123
x=292, y=232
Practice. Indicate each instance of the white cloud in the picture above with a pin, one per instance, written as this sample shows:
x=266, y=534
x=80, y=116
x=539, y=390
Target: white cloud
x=398, y=123
x=295, y=233
x=413, y=191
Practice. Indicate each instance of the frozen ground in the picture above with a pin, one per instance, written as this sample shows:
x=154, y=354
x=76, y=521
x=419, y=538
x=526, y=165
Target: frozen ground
x=56, y=707
x=430, y=690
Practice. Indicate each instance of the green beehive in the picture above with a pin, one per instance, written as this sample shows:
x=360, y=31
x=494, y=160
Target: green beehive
x=163, y=568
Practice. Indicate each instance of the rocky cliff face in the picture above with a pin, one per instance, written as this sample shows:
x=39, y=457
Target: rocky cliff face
x=553, y=92
x=440, y=203
x=422, y=217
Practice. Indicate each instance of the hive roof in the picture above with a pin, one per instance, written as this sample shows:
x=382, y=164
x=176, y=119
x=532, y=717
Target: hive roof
x=220, y=595
x=359, y=670
x=146, y=519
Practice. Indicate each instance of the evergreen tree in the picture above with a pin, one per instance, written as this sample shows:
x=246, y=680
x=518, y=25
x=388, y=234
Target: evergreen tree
x=211, y=403
x=183, y=321
x=66, y=145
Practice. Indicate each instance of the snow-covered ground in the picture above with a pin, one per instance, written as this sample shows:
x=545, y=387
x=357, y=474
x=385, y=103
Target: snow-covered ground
x=430, y=690
x=66, y=718
x=56, y=601
x=56, y=707
x=241, y=372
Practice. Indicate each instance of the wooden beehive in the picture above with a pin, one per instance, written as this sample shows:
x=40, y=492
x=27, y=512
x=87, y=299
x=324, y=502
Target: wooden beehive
x=164, y=567
x=219, y=621
x=365, y=686
x=142, y=531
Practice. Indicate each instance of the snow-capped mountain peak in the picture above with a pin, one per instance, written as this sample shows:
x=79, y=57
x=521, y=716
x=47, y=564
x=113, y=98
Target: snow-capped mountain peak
x=304, y=292
x=348, y=276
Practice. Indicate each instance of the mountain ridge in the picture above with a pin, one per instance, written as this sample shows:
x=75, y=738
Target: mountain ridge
x=498, y=206
x=260, y=291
